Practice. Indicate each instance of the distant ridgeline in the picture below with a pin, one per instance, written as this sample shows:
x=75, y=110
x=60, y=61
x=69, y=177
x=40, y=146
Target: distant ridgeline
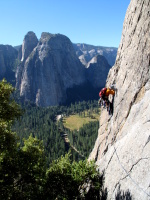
x=53, y=71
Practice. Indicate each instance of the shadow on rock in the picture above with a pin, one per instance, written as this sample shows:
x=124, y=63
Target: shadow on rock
x=123, y=195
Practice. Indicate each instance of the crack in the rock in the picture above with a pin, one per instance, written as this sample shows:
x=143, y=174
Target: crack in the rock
x=137, y=163
x=148, y=140
x=128, y=175
x=116, y=186
x=118, y=183
x=110, y=159
x=97, y=152
x=147, y=121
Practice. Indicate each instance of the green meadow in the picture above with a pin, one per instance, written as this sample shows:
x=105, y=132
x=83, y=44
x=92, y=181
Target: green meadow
x=76, y=121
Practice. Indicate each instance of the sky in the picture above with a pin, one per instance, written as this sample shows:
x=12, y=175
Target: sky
x=95, y=22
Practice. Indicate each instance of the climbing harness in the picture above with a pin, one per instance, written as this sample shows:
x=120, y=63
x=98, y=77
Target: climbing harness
x=129, y=174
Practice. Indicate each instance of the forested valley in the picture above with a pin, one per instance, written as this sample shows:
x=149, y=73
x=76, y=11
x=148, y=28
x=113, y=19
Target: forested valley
x=42, y=123
x=33, y=169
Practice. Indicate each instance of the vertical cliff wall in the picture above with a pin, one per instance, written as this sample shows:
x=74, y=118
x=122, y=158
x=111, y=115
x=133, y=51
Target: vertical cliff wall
x=122, y=148
x=49, y=66
x=50, y=72
x=8, y=57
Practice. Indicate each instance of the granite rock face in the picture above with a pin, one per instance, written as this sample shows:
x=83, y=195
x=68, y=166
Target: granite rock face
x=50, y=68
x=50, y=71
x=122, y=148
x=29, y=43
x=8, y=55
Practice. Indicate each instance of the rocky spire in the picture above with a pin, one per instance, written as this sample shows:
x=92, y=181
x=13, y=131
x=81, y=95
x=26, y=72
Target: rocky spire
x=29, y=43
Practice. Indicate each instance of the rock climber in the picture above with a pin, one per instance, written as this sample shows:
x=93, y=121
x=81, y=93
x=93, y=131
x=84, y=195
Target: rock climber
x=104, y=95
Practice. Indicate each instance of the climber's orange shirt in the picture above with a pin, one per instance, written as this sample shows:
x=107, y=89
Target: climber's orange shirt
x=109, y=91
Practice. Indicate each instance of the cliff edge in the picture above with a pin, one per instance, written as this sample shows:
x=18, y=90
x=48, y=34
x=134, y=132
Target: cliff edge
x=123, y=144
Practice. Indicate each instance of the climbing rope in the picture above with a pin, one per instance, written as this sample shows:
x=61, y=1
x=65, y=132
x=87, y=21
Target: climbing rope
x=129, y=174
x=125, y=169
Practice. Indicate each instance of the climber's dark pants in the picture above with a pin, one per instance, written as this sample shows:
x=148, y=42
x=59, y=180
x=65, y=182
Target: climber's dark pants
x=109, y=104
x=111, y=107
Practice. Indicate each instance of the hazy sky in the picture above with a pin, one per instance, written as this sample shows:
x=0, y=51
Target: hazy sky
x=96, y=22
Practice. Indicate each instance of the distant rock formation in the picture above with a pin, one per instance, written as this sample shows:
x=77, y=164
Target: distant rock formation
x=48, y=69
x=122, y=148
x=86, y=52
x=29, y=43
x=8, y=56
x=97, y=71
